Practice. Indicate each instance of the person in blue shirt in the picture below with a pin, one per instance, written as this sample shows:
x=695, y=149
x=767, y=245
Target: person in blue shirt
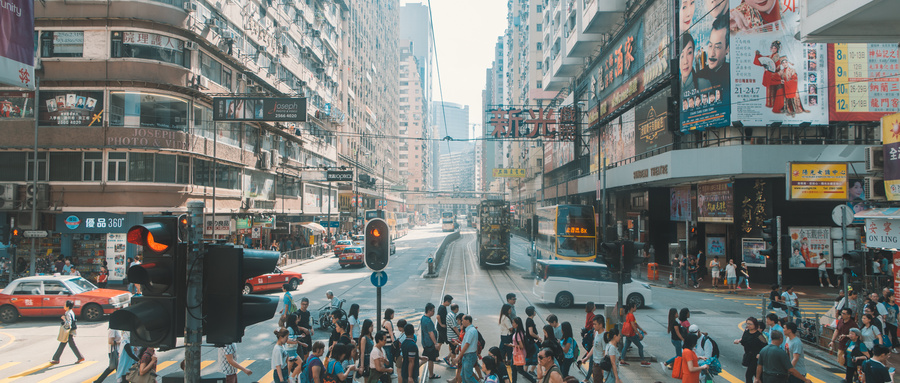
x=772, y=325
x=468, y=351
x=287, y=301
x=429, y=339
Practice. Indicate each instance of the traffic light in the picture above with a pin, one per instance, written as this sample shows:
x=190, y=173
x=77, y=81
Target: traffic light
x=227, y=311
x=855, y=262
x=611, y=255
x=378, y=244
x=156, y=317
x=15, y=235
x=770, y=235
x=633, y=252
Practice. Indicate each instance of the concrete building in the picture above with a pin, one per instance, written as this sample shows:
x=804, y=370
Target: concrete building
x=449, y=119
x=414, y=163
x=456, y=174
x=415, y=26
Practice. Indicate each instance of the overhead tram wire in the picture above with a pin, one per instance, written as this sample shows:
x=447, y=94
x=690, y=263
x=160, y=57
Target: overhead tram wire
x=437, y=65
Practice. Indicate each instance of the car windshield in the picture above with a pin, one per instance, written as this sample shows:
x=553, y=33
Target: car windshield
x=347, y=242
x=80, y=285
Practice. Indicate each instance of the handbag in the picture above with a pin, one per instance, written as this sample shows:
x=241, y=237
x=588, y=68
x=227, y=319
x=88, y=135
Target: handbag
x=606, y=364
x=134, y=375
x=677, y=370
x=628, y=330
x=330, y=376
x=63, y=336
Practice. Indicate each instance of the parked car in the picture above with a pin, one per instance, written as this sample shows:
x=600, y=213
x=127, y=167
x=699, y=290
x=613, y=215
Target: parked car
x=568, y=283
x=352, y=255
x=46, y=296
x=273, y=281
x=339, y=247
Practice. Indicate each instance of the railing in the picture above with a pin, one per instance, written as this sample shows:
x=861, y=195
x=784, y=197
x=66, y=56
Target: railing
x=294, y=256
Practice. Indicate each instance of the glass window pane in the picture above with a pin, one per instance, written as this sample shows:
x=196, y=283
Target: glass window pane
x=184, y=170
x=65, y=166
x=201, y=172
x=141, y=167
x=148, y=110
x=165, y=168
x=117, y=155
x=13, y=168
x=93, y=155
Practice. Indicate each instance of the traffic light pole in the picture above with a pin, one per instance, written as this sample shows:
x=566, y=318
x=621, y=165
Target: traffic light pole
x=34, y=225
x=620, y=305
x=193, y=324
x=846, y=276
x=778, y=246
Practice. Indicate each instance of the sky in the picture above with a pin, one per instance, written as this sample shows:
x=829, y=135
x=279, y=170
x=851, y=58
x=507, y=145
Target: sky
x=465, y=34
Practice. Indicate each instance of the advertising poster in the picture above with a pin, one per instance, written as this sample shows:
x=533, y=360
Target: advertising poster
x=857, y=198
x=750, y=248
x=806, y=245
x=715, y=202
x=617, y=138
x=115, y=256
x=776, y=77
x=594, y=145
x=17, y=43
x=651, y=128
x=890, y=136
x=818, y=181
x=896, y=271
x=680, y=204
x=715, y=246
x=259, y=109
x=862, y=81
x=704, y=64
x=71, y=108
x=16, y=104
x=259, y=185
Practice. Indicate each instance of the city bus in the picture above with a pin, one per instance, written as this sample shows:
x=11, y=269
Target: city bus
x=448, y=221
x=566, y=232
x=493, y=233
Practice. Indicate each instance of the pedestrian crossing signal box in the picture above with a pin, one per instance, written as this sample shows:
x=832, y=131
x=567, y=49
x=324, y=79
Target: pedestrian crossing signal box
x=377, y=245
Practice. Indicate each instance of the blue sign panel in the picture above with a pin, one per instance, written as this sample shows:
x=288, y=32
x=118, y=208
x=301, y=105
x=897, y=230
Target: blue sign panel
x=91, y=223
x=379, y=278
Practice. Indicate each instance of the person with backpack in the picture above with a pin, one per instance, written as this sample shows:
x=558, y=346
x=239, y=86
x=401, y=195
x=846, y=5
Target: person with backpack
x=706, y=348
x=335, y=371
x=287, y=301
x=633, y=333
x=570, y=348
x=314, y=368
x=595, y=352
x=890, y=318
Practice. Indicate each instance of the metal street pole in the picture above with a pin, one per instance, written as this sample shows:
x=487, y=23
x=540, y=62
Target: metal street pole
x=846, y=276
x=34, y=180
x=378, y=304
x=778, y=245
x=620, y=303
x=687, y=245
x=603, y=204
x=329, y=207
x=193, y=324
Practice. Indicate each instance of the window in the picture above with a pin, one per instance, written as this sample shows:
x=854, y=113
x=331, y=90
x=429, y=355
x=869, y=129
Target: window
x=93, y=166
x=540, y=84
x=150, y=46
x=539, y=27
x=55, y=288
x=62, y=44
x=147, y=110
x=539, y=65
x=65, y=166
x=540, y=8
x=540, y=46
x=116, y=167
x=42, y=166
x=215, y=71
x=228, y=177
x=164, y=168
x=183, y=170
x=28, y=288
x=13, y=168
x=202, y=172
x=140, y=167
x=251, y=136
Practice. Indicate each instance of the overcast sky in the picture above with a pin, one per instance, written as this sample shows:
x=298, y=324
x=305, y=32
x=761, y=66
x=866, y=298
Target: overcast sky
x=465, y=34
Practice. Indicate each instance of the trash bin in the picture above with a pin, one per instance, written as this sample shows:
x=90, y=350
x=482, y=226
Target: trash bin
x=653, y=271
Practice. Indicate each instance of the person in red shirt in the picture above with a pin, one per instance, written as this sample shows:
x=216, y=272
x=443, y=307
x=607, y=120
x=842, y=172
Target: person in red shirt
x=690, y=369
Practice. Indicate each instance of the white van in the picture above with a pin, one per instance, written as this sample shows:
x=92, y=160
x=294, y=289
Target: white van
x=567, y=283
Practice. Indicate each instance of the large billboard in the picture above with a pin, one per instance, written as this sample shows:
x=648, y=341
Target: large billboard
x=807, y=243
x=776, y=77
x=863, y=81
x=890, y=136
x=17, y=43
x=16, y=104
x=818, y=181
x=704, y=64
x=651, y=130
x=617, y=138
x=71, y=108
x=259, y=109
x=715, y=202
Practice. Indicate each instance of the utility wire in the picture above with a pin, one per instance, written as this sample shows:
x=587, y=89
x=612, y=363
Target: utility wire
x=437, y=66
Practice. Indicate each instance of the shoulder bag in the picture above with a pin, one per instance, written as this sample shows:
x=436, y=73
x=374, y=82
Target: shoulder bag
x=134, y=375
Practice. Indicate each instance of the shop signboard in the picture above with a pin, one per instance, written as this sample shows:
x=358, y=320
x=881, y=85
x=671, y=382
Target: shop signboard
x=71, y=108
x=806, y=245
x=508, y=173
x=715, y=202
x=652, y=130
x=17, y=50
x=680, y=204
x=115, y=256
x=266, y=222
x=890, y=136
x=87, y=223
x=222, y=225
x=16, y=104
x=817, y=181
x=594, y=145
x=882, y=233
x=862, y=81
x=750, y=248
x=259, y=109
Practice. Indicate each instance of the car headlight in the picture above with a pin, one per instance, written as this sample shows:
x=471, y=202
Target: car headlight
x=112, y=301
x=646, y=286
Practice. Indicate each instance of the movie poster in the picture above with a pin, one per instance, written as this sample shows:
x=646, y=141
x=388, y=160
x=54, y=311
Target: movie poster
x=16, y=104
x=704, y=64
x=750, y=248
x=806, y=245
x=651, y=129
x=680, y=204
x=617, y=138
x=776, y=77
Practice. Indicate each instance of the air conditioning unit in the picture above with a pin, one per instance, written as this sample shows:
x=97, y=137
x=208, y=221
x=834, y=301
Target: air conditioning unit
x=8, y=192
x=242, y=77
x=39, y=196
x=203, y=82
x=316, y=33
x=874, y=188
x=228, y=35
x=305, y=51
x=874, y=158
x=266, y=160
x=190, y=6
x=276, y=159
x=190, y=45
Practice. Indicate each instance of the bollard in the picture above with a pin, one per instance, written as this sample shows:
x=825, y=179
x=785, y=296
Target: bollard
x=430, y=265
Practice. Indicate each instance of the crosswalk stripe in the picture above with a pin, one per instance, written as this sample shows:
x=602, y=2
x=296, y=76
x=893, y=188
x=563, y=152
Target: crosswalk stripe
x=95, y=377
x=26, y=372
x=814, y=379
x=70, y=370
x=267, y=378
x=730, y=377
x=161, y=366
x=205, y=364
x=247, y=363
x=8, y=365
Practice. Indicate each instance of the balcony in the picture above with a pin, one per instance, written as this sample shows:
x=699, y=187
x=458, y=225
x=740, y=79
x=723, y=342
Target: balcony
x=601, y=16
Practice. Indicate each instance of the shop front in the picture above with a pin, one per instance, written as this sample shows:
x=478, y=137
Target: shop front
x=92, y=238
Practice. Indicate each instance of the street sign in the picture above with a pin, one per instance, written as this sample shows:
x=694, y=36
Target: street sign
x=840, y=210
x=35, y=234
x=339, y=175
x=379, y=278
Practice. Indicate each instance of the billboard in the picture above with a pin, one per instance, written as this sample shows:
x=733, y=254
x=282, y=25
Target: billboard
x=617, y=138
x=17, y=43
x=818, y=181
x=890, y=136
x=508, y=173
x=704, y=64
x=750, y=248
x=652, y=126
x=715, y=202
x=259, y=109
x=71, y=108
x=806, y=245
x=776, y=77
x=680, y=203
x=863, y=82
x=16, y=104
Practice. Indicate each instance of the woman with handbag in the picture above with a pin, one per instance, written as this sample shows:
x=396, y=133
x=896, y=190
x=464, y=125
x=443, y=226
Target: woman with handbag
x=633, y=334
x=612, y=338
x=146, y=370
x=753, y=341
x=365, y=345
x=114, y=338
x=518, y=351
x=67, y=334
x=280, y=357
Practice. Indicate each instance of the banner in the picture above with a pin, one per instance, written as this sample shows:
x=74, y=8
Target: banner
x=776, y=77
x=750, y=248
x=704, y=67
x=806, y=245
x=680, y=204
x=259, y=109
x=16, y=104
x=818, y=181
x=890, y=136
x=715, y=202
x=882, y=233
x=617, y=138
x=896, y=271
x=17, y=43
x=71, y=108
x=115, y=256
x=652, y=130
x=508, y=173
x=863, y=83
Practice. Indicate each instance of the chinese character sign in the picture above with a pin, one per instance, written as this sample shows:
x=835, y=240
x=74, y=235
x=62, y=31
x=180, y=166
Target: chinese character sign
x=882, y=233
x=807, y=244
x=862, y=81
x=704, y=64
x=531, y=123
x=115, y=255
x=818, y=181
x=890, y=135
x=509, y=173
x=72, y=108
x=17, y=43
x=715, y=202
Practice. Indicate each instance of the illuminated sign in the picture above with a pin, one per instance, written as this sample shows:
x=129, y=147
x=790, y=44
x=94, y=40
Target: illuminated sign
x=576, y=230
x=532, y=123
x=818, y=180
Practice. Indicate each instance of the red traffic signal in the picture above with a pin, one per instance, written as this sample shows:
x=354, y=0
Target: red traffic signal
x=377, y=245
x=154, y=236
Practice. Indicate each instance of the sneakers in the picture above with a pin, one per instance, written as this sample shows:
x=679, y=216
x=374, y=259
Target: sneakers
x=820, y=285
x=645, y=363
x=738, y=287
x=748, y=288
x=623, y=363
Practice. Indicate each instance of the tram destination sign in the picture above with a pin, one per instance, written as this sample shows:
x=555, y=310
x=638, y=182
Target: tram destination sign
x=259, y=109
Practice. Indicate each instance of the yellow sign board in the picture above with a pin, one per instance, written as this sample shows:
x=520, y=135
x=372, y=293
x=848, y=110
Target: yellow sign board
x=818, y=181
x=890, y=136
x=510, y=173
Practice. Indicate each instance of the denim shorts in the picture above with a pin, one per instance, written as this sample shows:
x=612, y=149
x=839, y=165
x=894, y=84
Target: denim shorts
x=732, y=281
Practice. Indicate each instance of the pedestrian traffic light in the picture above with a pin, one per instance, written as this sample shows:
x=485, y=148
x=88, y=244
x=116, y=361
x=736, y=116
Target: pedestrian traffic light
x=15, y=235
x=156, y=317
x=854, y=262
x=227, y=311
x=770, y=235
x=633, y=253
x=378, y=244
x=611, y=255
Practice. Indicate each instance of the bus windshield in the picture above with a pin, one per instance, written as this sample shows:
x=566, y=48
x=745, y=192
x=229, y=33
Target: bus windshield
x=576, y=221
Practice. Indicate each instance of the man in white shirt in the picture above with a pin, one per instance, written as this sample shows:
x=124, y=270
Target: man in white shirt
x=228, y=365
x=791, y=302
x=115, y=340
x=823, y=271
x=704, y=349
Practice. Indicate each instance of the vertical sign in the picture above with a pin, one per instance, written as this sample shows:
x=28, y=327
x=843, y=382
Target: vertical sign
x=862, y=81
x=17, y=43
x=890, y=136
x=896, y=271
x=115, y=256
x=704, y=64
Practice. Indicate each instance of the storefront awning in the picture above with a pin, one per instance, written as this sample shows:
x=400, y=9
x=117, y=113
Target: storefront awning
x=313, y=226
x=881, y=212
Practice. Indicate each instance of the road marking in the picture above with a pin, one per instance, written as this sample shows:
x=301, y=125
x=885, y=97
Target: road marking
x=730, y=377
x=11, y=339
x=26, y=372
x=163, y=365
x=814, y=379
x=267, y=378
x=206, y=363
x=8, y=365
x=67, y=371
x=95, y=377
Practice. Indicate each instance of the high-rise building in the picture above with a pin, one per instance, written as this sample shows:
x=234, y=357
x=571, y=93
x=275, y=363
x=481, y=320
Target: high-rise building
x=415, y=26
x=449, y=120
x=414, y=163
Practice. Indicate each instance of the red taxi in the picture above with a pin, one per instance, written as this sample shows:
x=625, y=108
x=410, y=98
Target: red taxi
x=339, y=247
x=273, y=281
x=352, y=255
x=46, y=296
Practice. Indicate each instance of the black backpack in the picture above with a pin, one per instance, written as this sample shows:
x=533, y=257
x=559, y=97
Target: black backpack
x=715, y=346
x=587, y=338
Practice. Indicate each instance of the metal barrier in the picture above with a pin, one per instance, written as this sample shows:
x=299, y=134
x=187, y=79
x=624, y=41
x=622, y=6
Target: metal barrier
x=290, y=257
x=434, y=262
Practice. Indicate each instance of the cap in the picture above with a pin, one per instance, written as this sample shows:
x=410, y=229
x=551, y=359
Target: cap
x=856, y=330
x=329, y=292
x=694, y=328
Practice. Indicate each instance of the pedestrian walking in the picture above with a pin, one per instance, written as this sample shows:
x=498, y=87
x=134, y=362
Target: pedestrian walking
x=570, y=348
x=772, y=324
x=126, y=357
x=774, y=363
x=114, y=339
x=378, y=367
x=468, y=352
x=776, y=300
x=353, y=320
x=492, y=371
x=676, y=335
x=794, y=348
x=548, y=372
x=855, y=354
x=429, y=339
x=551, y=342
x=693, y=269
x=315, y=368
x=340, y=356
x=874, y=368
x=587, y=336
x=553, y=321
x=690, y=363
x=365, y=344
x=409, y=365
x=287, y=301
x=753, y=341
x=743, y=275
x=66, y=335
x=611, y=350
x=842, y=328
x=891, y=310
x=532, y=339
x=506, y=331
x=497, y=355
x=714, y=271
x=596, y=352
x=851, y=302
x=228, y=365
x=731, y=276
x=511, y=300
x=146, y=364
x=280, y=356
x=823, y=271
x=453, y=331
x=633, y=334
x=870, y=333
x=441, y=326
x=387, y=326
x=519, y=350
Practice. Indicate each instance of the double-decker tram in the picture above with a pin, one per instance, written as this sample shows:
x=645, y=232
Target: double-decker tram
x=566, y=232
x=492, y=240
x=448, y=221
